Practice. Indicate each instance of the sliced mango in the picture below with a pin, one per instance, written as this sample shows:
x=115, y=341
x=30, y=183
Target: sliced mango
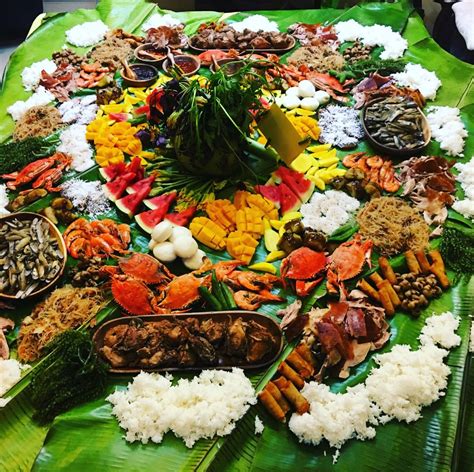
x=271, y=238
x=328, y=161
x=302, y=163
x=264, y=267
x=275, y=256
x=276, y=224
x=241, y=246
x=319, y=147
x=208, y=233
x=291, y=215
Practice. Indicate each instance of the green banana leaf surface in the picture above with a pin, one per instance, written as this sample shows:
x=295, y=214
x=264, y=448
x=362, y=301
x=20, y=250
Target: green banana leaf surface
x=89, y=438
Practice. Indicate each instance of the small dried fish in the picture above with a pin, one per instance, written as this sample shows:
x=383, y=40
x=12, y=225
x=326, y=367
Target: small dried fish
x=29, y=256
x=395, y=122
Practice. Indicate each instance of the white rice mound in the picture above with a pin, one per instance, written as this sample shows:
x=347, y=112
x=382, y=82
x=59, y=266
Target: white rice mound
x=255, y=23
x=156, y=20
x=440, y=329
x=403, y=383
x=328, y=211
x=40, y=97
x=3, y=200
x=87, y=34
x=336, y=417
x=259, y=427
x=466, y=179
x=415, y=76
x=74, y=142
x=376, y=35
x=10, y=374
x=203, y=407
x=31, y=75
x=447, y=128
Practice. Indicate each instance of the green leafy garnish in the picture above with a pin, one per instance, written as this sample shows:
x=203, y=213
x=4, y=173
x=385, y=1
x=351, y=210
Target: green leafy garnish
x=457, y=249
x=359, y=70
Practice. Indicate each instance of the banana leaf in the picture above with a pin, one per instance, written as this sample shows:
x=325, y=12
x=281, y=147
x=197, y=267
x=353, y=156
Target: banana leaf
x=89, y=437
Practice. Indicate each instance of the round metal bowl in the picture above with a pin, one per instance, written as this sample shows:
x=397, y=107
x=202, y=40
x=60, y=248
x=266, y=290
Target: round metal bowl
x=230, y=66
x=140, y=82
x=54, y=231
x=404, y=152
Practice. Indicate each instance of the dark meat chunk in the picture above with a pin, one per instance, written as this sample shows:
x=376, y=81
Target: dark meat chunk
x=260, y=342
x=113, y=358
x=186, y=356
x=236, y=344
x=203, y=349
x=213, y=331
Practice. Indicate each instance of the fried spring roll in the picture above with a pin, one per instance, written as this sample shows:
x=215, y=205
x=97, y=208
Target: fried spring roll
x=386, y=301
x=391, y=292
x=423, y=261
x=387, y=270
x=437, y=268
x=291, y=393
x=285, y=370
x=305, y=352
x=271, y=405
x=375, y=277
x=278, y=396
x=412, y=263
x=368, y=289
x=305, y=369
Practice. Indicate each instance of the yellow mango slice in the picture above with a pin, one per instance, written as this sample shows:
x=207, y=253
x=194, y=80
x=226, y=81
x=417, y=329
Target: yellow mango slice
x=271, y=238
x=275, y=256
x=264, y=267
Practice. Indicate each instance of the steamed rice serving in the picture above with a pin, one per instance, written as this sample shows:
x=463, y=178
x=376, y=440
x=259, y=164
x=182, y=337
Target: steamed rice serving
x=403, y=383
x=87, y=34
x=10, y=374
x=39, y=98
x=203, y=407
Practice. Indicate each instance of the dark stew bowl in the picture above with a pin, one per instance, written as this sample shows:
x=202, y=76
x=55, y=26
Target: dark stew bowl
x=146, y=75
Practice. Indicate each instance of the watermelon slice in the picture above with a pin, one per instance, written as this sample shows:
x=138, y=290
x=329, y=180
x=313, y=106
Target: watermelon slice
x=130, y=203
x=149, y=219
x=270, y=192
x=160, y=200
x=116, y=188
x=113, y=170
x=137, y=186
x=181, y=218
x=296, y=181
x=288, y=200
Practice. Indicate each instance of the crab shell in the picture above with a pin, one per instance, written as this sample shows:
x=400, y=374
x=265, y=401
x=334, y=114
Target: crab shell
x=182, y=292
x=303, y=264
x=132, y=295
x=145, y=268
x=348, y=259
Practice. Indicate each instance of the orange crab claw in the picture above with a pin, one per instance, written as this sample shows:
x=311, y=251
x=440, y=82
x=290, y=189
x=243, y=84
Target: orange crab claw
x=145, y=268
x=132, y=295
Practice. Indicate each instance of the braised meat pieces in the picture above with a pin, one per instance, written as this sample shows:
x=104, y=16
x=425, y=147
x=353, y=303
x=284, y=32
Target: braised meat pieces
x=188, y=343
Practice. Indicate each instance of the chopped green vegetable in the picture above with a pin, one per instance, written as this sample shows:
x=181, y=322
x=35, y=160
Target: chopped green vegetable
x=16, y=155
x=361, y=69
x=71, y=374
x=457, y=249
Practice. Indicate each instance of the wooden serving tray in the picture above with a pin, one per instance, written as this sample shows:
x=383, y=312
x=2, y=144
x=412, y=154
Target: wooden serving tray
x=225, y=362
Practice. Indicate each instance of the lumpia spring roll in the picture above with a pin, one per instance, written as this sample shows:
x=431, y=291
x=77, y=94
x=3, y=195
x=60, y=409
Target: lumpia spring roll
x=271, y=405
x=391, y=292
x=368, y=289
x=305, y=352
x=375, y=277
x=305, y=369
x=291, y=393
x=386, y=301
x=285, y=370
x=437, y=268
x=423, y=261
x=412, y=263
x=387, y=270
x=278, y=396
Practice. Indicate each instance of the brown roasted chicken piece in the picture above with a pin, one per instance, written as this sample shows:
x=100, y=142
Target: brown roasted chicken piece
x=236, y=338
x=260, y=342
x=213, y=331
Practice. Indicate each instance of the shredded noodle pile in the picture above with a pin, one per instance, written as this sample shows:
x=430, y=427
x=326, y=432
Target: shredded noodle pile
x=393, y=226
x=65, y=308
x=40, y=120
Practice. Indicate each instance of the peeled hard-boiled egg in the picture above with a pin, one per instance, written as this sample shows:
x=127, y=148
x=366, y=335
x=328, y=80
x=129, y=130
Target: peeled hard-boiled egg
x=164, y=252
x=162, y=231
x=179, y=231
x=309, y=103
x=196, y=261
x=306, y=89
x=292, y=91
x=291, y=101
x=185, y=246
x=322, y=97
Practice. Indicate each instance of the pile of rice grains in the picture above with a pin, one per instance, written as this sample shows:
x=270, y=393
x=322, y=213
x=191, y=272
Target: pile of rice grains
x=393, y=226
